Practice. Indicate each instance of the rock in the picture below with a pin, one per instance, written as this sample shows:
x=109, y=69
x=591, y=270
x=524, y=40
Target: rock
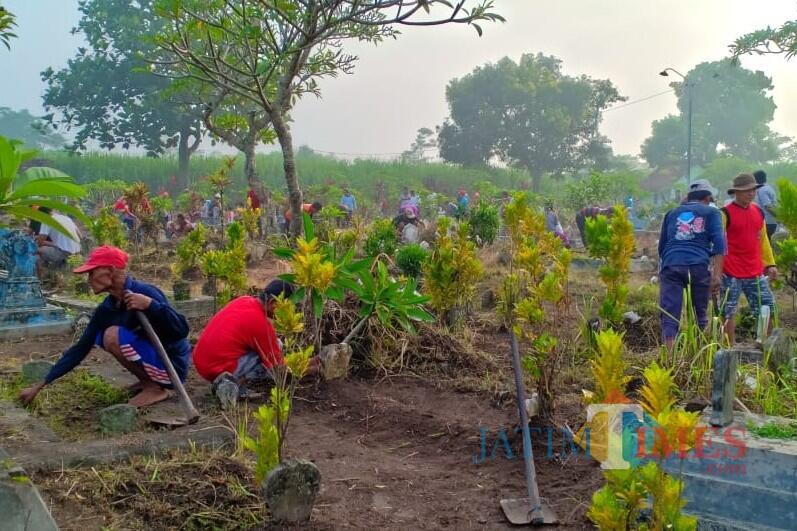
x=35, y=371
x=533, y=405
x=290, y=490
x=120, y=418
x=227, y=391
x=488, y=300
x=780, y=346
x=335, y=360
x=504, y=257
x=631, y=317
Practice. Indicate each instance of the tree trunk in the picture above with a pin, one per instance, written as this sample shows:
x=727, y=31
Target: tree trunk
x=249, y=163
x=184, y=152
x=289, y=165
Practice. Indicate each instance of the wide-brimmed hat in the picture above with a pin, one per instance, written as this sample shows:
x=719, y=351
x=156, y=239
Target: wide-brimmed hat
x=743, y=182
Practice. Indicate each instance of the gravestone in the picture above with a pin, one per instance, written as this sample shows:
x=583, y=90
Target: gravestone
x=290, y=490
x=724, y=388
x=23, y=310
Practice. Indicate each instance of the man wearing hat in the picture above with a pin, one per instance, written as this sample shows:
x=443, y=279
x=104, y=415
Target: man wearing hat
x=115, y=328
x=239, y=343
x=691, y=248
x=749, y=263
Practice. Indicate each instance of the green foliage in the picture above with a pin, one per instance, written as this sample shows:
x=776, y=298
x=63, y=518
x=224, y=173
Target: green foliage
x=227, y=265
x=781, y=40
x=600, y=188
x=609, y=368
x=452, y=270
x=189, y=250
x=614, y=242
x=161, y=205
x=484, y=222
x=774, y=430
x=544, y=104
x=265, y=445
x=28, y=129
x=381, y=238
x=786, y=258
x=107, y=229
x=43, y=187
x=410, y=259
x=7, y=23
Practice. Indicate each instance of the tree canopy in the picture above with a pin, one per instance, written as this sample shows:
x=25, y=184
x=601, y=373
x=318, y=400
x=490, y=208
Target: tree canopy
x=7, y=24
x=528, y=114
x=30, y=130
x=270, y=54
x=782, y=40
x=732, y=110
x=106, y=93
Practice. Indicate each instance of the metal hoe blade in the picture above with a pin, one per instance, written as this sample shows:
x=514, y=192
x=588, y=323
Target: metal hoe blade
x=530, y=510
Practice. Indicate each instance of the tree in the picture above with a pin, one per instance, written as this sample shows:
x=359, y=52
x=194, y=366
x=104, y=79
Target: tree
x=732, y=109
x=272, y=52
x=782, y=40
x=7, y=23
x=424, y=141
x=107, y=95
x=29, y=129
x=527, y=114
x=22, y=192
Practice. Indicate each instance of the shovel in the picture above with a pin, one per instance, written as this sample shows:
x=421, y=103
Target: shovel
x=531, y=510
x=191, y=414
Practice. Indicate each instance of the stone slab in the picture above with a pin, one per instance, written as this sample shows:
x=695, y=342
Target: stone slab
x=36, y=330
x=724, y=387
x=20, y=427
x=21, y=506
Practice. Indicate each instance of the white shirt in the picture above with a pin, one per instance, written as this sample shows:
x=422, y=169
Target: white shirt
x=69, y=245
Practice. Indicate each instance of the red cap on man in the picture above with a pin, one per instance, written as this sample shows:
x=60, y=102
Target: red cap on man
x=104, y=256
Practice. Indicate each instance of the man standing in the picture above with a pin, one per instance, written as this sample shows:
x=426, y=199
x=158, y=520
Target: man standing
x=239, y=343
x=589, y=212
x=54, y=246
x=749, y=256
x=348, y=204
x=765, y=198
x=115, y=328
x=691, y=240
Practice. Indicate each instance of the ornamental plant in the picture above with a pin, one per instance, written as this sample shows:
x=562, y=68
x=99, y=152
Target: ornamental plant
x=189, y=251
x=249, y=218
x=227, y=265
x=484, y=221
x=533, y=294
x=272, y=419
x=613, y=242
x=381, y=238
x=619, y=503
x=107, y=229
x=786, y=209
x=410, y=259
x=452, y=269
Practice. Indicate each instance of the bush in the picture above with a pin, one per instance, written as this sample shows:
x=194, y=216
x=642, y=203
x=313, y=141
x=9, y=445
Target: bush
x=107, y=229
x=410, y=259
x=382, y=238
x=484, y=223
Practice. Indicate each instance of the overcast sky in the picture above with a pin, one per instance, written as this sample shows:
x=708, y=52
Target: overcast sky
x=399, y=86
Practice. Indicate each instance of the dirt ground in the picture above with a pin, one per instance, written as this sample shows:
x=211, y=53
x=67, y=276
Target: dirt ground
x=399, y=453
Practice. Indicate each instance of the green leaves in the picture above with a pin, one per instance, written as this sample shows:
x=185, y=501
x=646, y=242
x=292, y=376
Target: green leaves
x=7, y=22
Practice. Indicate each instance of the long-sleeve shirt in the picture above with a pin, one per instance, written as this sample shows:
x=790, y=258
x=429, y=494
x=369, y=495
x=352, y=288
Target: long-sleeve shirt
x=170, y=326
x=349, y=203
x=690, y=235
x=239, y=328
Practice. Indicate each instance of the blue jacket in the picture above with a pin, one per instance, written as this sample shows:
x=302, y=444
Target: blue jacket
x=690, y=235
x=170, y=326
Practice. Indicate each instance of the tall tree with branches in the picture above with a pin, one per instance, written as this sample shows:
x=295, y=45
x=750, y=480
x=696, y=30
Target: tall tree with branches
x=272, y=52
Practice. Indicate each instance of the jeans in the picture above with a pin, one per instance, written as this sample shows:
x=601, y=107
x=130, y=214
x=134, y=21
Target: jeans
x=673, y=281
x=756, y=291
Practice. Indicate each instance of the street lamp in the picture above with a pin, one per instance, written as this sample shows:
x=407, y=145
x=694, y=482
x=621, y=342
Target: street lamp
x=689, y=86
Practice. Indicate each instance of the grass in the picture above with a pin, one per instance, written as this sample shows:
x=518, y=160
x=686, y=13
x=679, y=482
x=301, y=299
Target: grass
x=70, y=405
x=188, y=490
x=774, y=430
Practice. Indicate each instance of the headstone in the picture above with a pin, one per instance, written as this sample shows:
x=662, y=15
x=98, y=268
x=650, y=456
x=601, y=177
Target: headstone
x=35, y=371
x=120, y=418
x=488, y=300
x=780, y=346
x=23, y=309
x=724, y=388
x=227, y=391
x=290, y=490
x=21, y=506
x=335, y=360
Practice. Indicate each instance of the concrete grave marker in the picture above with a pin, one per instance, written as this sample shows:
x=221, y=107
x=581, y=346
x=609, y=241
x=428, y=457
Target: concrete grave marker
x=724, y=388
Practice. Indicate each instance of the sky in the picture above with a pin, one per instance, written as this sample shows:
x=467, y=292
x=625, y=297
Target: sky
x=399, y=86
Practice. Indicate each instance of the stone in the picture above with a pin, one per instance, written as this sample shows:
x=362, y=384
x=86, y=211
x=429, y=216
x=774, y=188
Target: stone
x=227, y=391
x=488, y=300
x=35, y=371
x=780, y=346
x=631, y=317
x=21, y=506
x=290, y=490
x=120, y=418
x=724, y=387
x=335, y=360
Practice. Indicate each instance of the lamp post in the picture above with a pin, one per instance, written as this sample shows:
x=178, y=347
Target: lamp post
x=689, y=86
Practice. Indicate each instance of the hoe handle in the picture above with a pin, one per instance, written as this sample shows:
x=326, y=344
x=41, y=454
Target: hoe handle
x=528, y=454
x=191, y=414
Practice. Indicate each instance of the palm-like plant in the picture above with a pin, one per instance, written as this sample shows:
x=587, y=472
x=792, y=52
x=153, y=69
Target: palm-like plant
x=7, y=22
x=21, y=192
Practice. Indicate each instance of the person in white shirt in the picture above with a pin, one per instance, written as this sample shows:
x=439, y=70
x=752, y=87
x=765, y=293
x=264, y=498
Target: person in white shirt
x=55, y=247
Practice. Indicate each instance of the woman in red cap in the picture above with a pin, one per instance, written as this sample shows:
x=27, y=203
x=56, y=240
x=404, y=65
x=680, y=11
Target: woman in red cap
x=115, y=328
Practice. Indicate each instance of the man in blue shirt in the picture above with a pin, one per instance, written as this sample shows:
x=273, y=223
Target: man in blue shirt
x=115, y=328
x=348, y=203
x=691, y=239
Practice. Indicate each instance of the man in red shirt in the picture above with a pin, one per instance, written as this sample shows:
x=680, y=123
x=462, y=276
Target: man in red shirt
x=239, y=344
x=749, y=264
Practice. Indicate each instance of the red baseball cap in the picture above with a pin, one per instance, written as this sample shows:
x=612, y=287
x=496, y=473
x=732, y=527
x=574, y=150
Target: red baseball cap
x=105, y=256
